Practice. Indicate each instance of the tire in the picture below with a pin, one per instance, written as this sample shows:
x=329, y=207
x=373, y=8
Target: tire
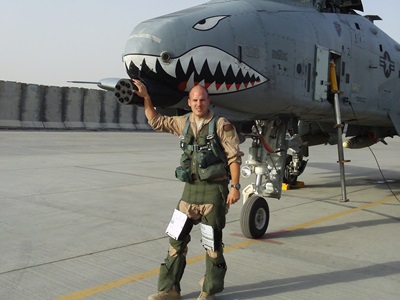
x=254, y=217
x=287, y=178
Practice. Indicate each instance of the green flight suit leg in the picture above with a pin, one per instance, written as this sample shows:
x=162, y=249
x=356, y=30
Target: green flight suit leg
x=171, y=271
x=215, y=266
x=215, y=274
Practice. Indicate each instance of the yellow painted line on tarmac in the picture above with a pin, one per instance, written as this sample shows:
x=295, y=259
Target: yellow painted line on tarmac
x=114, y=284
x=144, y=275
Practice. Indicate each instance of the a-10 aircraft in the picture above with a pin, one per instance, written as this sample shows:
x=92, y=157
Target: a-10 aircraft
x=288, y=73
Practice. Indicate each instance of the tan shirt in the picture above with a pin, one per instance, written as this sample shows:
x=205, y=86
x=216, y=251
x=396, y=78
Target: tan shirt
x=225, y=131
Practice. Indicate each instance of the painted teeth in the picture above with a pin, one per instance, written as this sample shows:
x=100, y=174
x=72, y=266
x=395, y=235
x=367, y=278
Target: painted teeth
x=211, y=67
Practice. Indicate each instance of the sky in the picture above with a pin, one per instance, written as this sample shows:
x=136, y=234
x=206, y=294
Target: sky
x=50, y=42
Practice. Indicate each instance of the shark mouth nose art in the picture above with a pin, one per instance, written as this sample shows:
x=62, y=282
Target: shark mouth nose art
x=215, y=69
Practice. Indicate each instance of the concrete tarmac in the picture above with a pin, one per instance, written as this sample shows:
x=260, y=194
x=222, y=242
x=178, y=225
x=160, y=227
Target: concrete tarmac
x=83, y=216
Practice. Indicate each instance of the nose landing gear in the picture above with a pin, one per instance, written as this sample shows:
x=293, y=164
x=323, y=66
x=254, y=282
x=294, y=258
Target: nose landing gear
x=267, y=160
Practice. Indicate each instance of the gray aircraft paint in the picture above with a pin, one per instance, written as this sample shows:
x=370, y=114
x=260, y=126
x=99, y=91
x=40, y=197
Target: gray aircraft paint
x=269, y=58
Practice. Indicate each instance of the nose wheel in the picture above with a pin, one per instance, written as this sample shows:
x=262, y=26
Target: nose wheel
x=254, y=217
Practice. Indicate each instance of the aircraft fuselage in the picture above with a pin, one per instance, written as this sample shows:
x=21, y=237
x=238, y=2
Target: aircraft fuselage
x=263, y=59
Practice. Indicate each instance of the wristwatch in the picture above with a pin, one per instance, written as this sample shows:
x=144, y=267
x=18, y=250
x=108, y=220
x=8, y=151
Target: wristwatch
x=236, y=186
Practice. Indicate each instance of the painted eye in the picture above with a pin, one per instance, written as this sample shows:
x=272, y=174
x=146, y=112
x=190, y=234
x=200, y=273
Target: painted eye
x=209, y=23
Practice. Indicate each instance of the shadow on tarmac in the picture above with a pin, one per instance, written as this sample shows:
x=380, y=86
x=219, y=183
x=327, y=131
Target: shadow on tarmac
x=328, y=229
x=277, y=286
x=355, y=176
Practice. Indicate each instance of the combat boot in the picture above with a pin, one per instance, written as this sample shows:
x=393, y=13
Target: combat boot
x=163, y=295
x=205, y=296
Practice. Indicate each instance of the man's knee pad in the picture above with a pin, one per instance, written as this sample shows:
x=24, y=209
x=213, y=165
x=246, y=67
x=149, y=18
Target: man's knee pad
x=173, y=252
x=179, y=247
x=212, y=254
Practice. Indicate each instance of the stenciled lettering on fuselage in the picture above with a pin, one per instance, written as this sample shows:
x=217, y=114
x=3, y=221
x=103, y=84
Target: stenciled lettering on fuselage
x=280, y=55
x=387, y=64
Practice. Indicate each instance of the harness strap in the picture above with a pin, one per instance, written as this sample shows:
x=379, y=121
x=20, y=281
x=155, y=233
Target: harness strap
x=210, y=136
x=211, y=129
x=186, y=128
x=185, y=146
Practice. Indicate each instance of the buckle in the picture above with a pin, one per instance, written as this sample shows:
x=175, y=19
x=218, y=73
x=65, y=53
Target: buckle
x=201, y=148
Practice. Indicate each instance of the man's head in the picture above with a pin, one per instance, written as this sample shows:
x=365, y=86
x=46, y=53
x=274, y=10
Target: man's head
x=199, y=101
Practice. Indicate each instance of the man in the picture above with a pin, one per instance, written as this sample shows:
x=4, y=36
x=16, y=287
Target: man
x=210, y=146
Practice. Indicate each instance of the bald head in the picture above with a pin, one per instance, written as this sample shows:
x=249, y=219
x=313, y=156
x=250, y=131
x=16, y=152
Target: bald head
x=199, y=101
x=199, y=89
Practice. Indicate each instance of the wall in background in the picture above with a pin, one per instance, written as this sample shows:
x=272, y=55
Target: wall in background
x=31, y=106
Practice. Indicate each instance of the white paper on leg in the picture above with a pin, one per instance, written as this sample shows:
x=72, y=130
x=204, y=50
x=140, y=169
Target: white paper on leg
x=207, y=236
x=176, y=224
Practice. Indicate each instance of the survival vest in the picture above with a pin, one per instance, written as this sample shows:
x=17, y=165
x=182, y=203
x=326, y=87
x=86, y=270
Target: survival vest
x=203, y=156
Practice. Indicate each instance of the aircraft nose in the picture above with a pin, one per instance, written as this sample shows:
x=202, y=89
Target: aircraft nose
x=153, y=42
x=160, y=37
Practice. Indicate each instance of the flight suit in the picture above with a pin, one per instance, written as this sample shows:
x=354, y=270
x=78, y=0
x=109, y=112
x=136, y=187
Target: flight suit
x=202, y=201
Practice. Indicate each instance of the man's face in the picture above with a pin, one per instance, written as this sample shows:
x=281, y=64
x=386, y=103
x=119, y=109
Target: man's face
x=199, y=101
